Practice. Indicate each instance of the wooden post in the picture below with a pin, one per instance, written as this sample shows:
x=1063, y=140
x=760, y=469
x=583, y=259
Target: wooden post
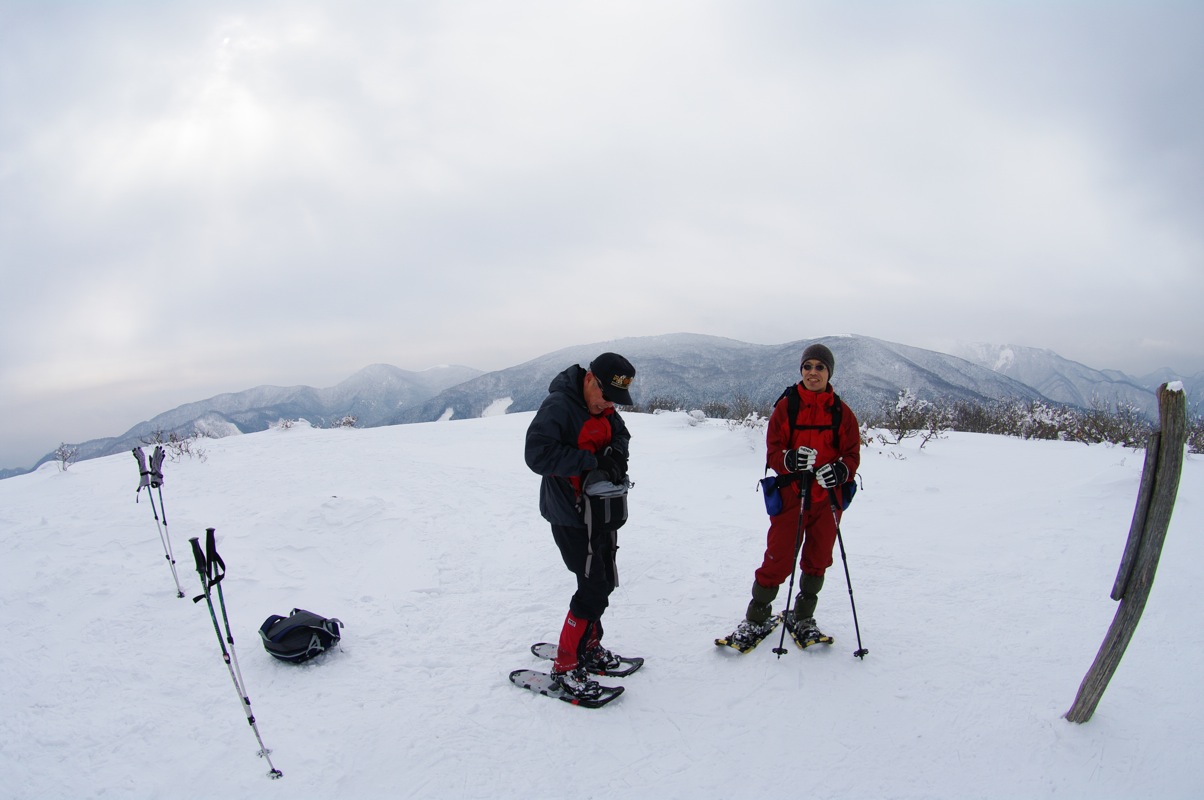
x=1151, y=518
x=1144, y=493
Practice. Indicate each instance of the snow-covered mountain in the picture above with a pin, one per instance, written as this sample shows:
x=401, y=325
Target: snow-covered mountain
x=691, y=370
x=1070, y=382
x=678, y=370
x=373, y=395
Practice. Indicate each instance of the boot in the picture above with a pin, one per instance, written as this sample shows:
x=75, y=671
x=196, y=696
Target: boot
x=578, y=683
x=571, y=635
x=750, y=634
x=760, y=608
x=598, y=659
x=808, y=596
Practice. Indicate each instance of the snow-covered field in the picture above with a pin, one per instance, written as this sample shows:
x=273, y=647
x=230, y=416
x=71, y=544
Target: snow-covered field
x=981, y=568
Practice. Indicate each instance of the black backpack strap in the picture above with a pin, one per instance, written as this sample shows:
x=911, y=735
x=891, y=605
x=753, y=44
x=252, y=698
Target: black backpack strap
x=837, y=412
x=791, y=398
x=790, y=395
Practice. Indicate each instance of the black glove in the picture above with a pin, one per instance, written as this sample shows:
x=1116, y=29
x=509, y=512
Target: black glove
x=613, y=464
x=832, y=475
x=620, y=459
x=800, y=460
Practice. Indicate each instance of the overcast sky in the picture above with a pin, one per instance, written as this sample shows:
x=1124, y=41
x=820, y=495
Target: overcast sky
x=202, y=197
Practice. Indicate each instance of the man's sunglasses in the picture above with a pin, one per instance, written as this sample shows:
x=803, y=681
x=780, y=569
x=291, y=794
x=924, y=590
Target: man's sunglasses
x=814, y=367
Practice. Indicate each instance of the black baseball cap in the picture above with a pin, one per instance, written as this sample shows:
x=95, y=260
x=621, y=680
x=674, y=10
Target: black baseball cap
x=614, y=374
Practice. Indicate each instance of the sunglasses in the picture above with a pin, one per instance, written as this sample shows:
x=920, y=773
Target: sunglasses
x=814, y=367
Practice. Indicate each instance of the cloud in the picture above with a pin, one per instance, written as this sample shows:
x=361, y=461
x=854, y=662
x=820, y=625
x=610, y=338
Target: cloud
x=266, y=192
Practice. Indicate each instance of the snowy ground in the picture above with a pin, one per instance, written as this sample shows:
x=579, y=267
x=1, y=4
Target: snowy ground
x=981, y=568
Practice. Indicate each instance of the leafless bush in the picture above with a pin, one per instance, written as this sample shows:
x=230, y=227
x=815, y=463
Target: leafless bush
x=905, y=416
x=753, y=421
x=1195, y=435
x=66, y=456
x=654, y=404
x=937, y=421
x=177, y=445
x=1121, y=423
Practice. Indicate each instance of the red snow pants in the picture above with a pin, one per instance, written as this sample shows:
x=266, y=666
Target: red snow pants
x=819, y=537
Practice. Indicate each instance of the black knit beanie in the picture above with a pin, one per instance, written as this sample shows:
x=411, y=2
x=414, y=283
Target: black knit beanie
x=818, y=352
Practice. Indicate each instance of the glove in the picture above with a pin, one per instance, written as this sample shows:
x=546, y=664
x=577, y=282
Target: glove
x=612, y=464
x=800, y=460
x=832, y=475
x=619, y=458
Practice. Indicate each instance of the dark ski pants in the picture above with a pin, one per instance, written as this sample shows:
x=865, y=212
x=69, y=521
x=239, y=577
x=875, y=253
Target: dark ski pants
x=593, y=590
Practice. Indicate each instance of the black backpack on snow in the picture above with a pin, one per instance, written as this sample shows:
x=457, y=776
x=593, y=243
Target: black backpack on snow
x=300, y=636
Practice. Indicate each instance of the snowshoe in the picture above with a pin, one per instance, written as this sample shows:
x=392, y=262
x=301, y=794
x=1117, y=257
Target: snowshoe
x=604, y=663
x=748, y=634
x=589, y=693
x=805, y=632
x=577, y=683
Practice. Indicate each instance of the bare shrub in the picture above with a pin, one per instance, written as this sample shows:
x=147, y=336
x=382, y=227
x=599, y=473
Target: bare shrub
x=1122, y=423
x=1195, y=435
x=753, y=421
x=178, y=446
x=66, y=455
x=654, y=404
x=905, y=417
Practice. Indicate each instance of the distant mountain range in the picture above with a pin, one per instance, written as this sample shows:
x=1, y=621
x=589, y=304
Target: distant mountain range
x=373, y=395
x=685, y=370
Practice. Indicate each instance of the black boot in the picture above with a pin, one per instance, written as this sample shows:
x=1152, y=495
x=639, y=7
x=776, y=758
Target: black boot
x=808, y=596
x=760, y=608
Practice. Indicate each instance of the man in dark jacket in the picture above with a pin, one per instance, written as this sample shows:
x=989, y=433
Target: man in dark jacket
x=814, y=454
x=576, y=440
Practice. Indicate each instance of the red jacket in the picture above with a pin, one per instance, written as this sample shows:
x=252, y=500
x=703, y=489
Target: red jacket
x=813, y=428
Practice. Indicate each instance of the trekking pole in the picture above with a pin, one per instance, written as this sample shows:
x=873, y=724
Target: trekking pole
x=149, y=478
x=217, y=571
x=803, y=505
x=207, y=567
x=860, y=652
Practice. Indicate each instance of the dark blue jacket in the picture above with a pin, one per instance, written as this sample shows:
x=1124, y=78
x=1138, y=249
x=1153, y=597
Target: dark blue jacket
x=562, y=441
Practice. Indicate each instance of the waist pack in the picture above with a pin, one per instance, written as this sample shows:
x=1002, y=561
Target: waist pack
x=773, y=495
x=605, y=502
x=772, y=491
x=605, y=512
x=845, y=495
x=300, y=636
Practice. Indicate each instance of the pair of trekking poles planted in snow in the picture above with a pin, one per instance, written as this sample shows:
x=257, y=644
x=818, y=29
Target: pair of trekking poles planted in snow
x=151, y=477
x=804, y=504
x=211, y=569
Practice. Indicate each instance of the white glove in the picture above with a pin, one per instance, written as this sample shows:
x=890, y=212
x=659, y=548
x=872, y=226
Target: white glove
x=832, y=475
x=800, y=460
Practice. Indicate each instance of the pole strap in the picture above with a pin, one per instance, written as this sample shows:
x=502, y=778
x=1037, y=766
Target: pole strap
x=209, y=565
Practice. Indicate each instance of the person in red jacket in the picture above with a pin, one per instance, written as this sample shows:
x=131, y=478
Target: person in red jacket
x=575, y=440
x=814, y=455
